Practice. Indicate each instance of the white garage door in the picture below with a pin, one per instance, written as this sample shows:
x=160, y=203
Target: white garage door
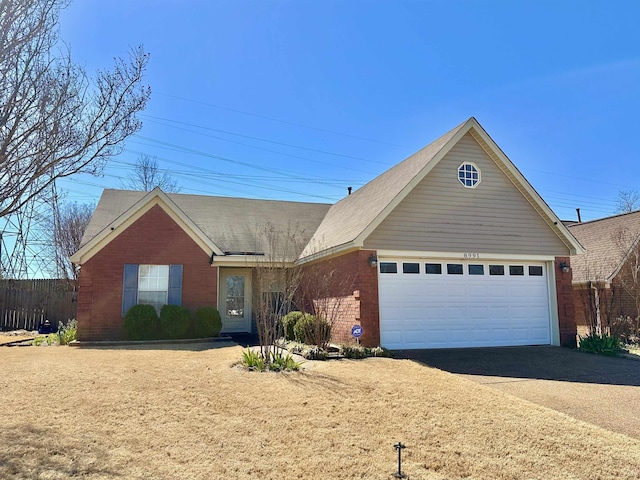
x=451, y=304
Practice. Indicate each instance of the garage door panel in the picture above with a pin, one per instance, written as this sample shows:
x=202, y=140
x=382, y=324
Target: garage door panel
x=479, y=313
x=448, y=311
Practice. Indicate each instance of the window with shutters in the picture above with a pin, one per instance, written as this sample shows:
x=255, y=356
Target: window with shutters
x=155, y=285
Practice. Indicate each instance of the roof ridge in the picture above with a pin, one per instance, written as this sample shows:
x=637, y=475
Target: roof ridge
x=170, y=194
x=617, y=215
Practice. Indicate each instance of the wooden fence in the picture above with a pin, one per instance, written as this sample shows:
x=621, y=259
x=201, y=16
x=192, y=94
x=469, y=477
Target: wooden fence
x=24, y=304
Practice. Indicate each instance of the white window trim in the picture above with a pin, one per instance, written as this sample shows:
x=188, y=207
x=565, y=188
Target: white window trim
x=166, y=290
x=477, y=169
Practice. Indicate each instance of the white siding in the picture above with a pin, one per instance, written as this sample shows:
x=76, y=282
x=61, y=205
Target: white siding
x=442, y=215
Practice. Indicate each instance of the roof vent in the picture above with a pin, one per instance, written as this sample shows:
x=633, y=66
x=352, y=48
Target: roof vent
x=579, y=219
x=349, y=190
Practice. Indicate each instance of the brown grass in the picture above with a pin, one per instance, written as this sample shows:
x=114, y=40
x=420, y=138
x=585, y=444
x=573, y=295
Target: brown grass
x=189, y=414
x=5, y=338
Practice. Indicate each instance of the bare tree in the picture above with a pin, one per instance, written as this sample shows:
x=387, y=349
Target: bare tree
x=628, y=277
x=147, y=176
x=627, y=201
x=55, y=121
x=67, y=226
x=326, y=291
x=276, y=282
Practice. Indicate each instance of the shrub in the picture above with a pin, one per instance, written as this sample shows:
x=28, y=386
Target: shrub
x=279, y=362
x=67, y=333
x=311, y=352
x=312, y=330
x=358, y=351
x=353, y=351
x=252, y=360
x=289, y=322
x=141, y=322
x=379, y=352
x=207, y=322
x=601, y=344
x=174, y=321
x=623, y=327
x=46, y=340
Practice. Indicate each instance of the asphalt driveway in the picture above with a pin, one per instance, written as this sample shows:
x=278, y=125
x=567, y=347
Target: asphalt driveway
x=600, y=390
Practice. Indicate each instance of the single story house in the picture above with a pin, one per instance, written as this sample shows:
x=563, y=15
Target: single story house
x=451, y=247
x=606, y=277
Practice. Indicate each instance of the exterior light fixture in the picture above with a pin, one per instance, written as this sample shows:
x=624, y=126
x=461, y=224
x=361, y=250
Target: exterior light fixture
x=373, y=260
x=564, y=266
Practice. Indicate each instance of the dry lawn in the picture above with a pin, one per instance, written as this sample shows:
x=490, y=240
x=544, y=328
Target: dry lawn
x=186, y=413
x=17, y=337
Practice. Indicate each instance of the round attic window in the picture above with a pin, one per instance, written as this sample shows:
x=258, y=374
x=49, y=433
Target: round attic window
x=469, y=175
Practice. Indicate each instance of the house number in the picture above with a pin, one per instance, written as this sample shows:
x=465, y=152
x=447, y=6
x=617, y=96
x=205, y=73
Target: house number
x=471, y=255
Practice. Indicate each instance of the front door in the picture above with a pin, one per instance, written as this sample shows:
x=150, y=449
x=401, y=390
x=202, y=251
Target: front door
x=234, y=302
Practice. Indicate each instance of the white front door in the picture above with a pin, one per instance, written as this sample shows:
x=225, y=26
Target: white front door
x=234, y=301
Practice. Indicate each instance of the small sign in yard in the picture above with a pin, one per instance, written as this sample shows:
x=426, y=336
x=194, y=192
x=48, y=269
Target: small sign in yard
x=356, y=331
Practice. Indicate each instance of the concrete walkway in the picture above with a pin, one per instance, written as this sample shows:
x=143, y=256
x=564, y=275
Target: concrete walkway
x=600, y=390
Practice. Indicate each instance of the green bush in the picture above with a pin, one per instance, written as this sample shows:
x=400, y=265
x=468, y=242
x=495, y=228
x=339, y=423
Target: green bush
x=174, y=321
x=67, y=333
x=312, y=331
x=47, y=340
x=280, y=362
x=253, y=360
x=601, y=344
x=141, y=322
x=289, y=322
x=207, y=322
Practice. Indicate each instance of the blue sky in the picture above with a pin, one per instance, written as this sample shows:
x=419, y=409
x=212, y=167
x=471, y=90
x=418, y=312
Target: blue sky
x=297, y=100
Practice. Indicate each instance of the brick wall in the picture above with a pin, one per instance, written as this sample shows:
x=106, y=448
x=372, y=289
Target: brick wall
x=357, y=297
x=153, y=239
x=617, y=308
x=566, y=303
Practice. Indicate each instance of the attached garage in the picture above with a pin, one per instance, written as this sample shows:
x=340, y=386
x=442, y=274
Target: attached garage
x=426, y=303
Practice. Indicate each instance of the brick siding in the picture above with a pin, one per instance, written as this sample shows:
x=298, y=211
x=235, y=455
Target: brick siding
x=566, y=304
x=153, y=239
x=356, y=299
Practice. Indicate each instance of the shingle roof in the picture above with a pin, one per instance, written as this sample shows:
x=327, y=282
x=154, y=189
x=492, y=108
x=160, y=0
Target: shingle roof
x=348, y=218
x=233, y=224
x=604, y=251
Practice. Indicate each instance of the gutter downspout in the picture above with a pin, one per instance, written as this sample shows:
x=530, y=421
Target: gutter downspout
x=598, y=320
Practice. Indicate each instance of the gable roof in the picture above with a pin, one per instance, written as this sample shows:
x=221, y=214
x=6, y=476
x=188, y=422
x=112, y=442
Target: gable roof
x=224, y=226
x=219, y=225
x=350, y=221
x=604, y=251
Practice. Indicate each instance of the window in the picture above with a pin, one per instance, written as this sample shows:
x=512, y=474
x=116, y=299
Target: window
x=388, y=267
x=235, y=296
x=516, y=270
x=476, y=269
x=535, y=271
x=433, y=268
x=469, y=175
x=153, y=285
x=410, y=268
x=454, y=268
x=496, y=269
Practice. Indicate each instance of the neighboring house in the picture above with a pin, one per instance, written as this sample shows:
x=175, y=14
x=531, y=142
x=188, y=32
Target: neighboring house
x=605, y=286
x=452, y=247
